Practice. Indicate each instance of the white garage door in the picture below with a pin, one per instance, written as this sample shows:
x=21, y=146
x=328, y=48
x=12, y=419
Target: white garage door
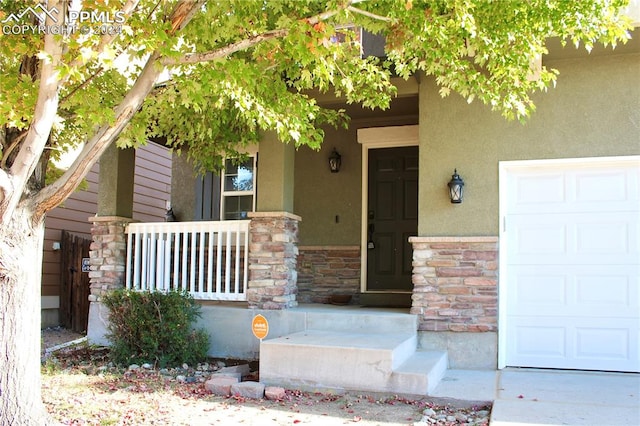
x=571, y=264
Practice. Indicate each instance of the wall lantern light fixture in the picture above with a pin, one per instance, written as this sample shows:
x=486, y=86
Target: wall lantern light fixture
x=456, y=185
x=335, y=160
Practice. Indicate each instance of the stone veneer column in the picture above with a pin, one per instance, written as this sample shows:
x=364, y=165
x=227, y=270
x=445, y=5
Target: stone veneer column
x=108, y=254
x=455, y=283
x=273, y=251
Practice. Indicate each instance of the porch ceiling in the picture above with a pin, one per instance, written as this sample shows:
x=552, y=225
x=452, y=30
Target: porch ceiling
x=400, y=106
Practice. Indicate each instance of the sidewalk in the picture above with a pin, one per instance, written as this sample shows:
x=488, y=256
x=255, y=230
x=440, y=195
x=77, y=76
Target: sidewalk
x=549, y=397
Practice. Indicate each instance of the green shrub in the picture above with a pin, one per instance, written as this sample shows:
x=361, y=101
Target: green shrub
x=154, y=328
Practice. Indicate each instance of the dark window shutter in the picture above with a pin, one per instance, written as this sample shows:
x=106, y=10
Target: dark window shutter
x=208, y=197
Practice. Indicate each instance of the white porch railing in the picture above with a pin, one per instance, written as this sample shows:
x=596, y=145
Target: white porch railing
x=207, y=259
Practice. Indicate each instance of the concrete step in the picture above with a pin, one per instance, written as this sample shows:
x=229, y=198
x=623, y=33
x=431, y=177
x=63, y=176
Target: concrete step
x=319, y=359
x=420, y=374
x=361, y=320
x=316, y=360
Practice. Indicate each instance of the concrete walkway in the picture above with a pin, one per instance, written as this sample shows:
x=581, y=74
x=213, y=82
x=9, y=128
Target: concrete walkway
x=549, y=397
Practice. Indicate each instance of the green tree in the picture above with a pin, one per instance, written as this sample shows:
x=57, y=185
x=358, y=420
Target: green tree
x=212, y=75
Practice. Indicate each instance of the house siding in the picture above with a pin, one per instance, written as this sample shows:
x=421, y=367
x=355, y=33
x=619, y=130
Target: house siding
x=152, y=184
x=72, y=216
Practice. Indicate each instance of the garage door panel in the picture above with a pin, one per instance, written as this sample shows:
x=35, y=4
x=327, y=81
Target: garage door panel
x=538, y=192
x=559, y=290
x=604, y=237
x=534, y=239
x=538, y=341
x=570, y=275
x=572, y=343
x=573, y=239
x=603, y=185
x=620, y=293
x=613, y=237
x=562, y=190
x=532, y=289
x=599, y=343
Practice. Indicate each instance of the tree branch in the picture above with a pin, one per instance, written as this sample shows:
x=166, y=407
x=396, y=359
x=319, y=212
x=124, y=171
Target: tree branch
x=322, y=17
x=128, y=9
x=6, y=186
x=33, y=145
x=54, y=194
x=369, y=14
x=7, y=152
x=212, y=55
x=194, y=58
x=183, y=13
x=82, y=85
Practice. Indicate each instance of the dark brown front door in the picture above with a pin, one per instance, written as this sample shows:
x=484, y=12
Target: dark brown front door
x=392, y=218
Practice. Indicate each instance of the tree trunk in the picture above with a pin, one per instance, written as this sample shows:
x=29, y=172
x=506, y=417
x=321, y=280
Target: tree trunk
x=20, y=272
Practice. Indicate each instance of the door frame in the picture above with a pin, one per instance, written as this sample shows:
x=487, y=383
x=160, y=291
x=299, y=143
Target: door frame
x=374, y=138
x=504, y=169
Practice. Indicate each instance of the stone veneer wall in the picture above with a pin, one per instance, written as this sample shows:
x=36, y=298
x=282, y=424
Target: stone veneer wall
x=272, y=260
x=455, y=283
x=327, y=270
x=107, y=254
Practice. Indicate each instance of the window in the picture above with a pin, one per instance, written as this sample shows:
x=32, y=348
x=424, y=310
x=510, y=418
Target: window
x=230, y=195
x=370, y=44
x=238, y=189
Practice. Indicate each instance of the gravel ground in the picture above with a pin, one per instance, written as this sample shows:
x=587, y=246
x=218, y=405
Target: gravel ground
x=55, y=336
x=81, y=387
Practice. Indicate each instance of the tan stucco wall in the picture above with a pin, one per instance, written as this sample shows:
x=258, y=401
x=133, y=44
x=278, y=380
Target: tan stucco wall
x=320, y=195
x=275, y=175
x=183, y=183
x=594, y=111
x=115, y=186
